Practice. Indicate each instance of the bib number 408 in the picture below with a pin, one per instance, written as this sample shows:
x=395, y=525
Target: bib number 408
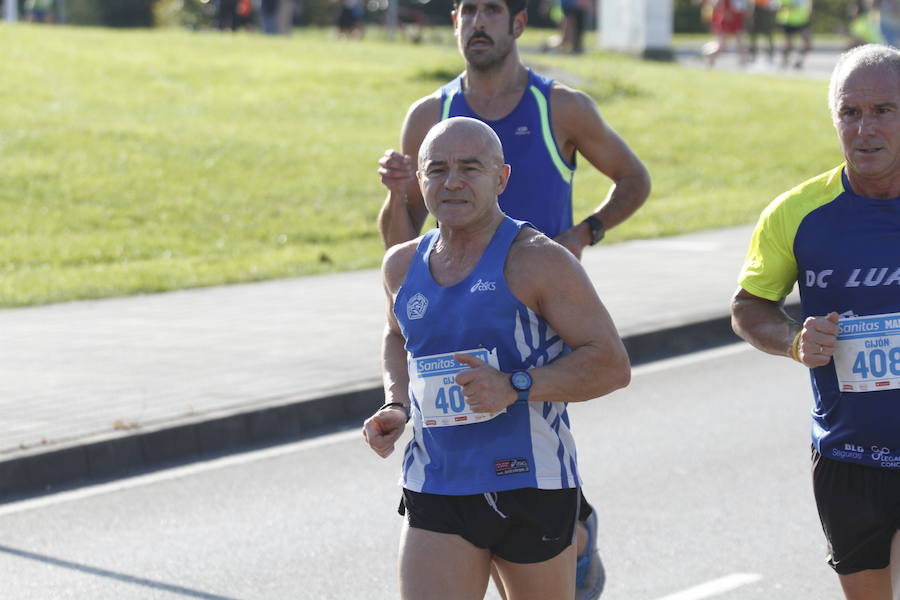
x=877, y=362
x=450, y=399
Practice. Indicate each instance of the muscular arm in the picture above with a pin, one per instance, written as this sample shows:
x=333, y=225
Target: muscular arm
x=550, y=281
x=764, y=324
x=579, y=127
x=403, y=213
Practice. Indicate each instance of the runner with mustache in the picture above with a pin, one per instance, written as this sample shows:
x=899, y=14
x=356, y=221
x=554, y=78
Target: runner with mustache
x=542, y=125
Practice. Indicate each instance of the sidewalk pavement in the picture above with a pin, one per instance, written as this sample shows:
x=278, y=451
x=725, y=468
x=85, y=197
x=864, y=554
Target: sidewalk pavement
x=94, y=390
x=818, y=64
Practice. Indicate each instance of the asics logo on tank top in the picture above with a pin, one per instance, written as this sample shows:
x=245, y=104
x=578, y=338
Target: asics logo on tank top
x=416, y=307
x=484, y=286
x=523, y=130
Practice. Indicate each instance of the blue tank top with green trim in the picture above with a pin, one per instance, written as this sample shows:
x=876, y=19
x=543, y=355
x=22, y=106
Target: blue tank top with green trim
x=540, y=186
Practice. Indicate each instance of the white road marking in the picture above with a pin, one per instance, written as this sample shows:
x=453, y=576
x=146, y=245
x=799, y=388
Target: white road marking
x=715, y=587
x=324, y=440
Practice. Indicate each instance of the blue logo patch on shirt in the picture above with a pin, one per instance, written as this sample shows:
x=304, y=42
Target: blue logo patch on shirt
x=416, y=307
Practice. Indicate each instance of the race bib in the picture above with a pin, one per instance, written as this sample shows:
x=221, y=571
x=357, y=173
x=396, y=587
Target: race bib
x=867, y=353
x=440, y=399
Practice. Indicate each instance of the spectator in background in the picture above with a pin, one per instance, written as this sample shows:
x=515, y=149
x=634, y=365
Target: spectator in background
x=889, y=20
x=268, y=16
x=557, y=42
x=225, y=14
x=233, y=14
x=726, y=20
x=575, y=16
x=243, y=14
x=349, y=20
x=39, y=11
x=413, y=21
x=762, y=23
x=863, y=24
x=795, y=18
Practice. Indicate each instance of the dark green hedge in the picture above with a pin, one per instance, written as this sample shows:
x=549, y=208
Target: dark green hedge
x=110, y=13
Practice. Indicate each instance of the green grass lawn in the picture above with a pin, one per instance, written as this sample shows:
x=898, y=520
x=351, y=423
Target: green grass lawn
x=143, y=161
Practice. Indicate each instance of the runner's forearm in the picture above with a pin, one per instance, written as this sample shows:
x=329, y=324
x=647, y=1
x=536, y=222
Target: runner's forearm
x=395, y=223
x=624, y=198
x=395, y=377
x=764, y=324
x=588, y=372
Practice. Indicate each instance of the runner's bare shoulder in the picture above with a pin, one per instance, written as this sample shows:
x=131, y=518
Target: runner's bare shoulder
x=422, y=115
x=536, y=262
x=396, y=263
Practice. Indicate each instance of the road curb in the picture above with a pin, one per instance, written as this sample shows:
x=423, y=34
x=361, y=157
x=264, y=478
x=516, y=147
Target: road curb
x=147, y=450
x=142, y=451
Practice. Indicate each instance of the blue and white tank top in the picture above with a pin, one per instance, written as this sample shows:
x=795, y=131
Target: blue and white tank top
x=540, y=185
x=528, y=446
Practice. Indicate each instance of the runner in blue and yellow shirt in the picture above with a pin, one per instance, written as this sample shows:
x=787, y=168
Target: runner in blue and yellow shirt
x=838, y=237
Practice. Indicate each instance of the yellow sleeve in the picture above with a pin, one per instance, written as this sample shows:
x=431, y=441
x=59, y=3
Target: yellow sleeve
x=770, y=269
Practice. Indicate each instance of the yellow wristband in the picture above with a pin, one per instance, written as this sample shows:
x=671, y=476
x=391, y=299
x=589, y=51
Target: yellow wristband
x=795, y=347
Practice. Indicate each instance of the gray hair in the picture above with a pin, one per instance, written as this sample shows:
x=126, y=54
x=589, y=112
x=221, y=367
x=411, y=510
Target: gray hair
x=869, y=55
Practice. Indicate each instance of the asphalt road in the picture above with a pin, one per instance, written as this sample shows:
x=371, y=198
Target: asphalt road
x=699, y=469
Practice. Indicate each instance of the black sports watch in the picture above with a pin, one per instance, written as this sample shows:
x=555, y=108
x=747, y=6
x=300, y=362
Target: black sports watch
x=597, y=229
x=521, y=382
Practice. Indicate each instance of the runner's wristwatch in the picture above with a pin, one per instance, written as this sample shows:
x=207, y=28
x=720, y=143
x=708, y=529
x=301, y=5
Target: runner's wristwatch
x=597, y=229
x=521, y=382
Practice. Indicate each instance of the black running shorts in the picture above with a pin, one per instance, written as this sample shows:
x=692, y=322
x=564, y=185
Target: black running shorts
x=859, y=508
x=522, y=526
